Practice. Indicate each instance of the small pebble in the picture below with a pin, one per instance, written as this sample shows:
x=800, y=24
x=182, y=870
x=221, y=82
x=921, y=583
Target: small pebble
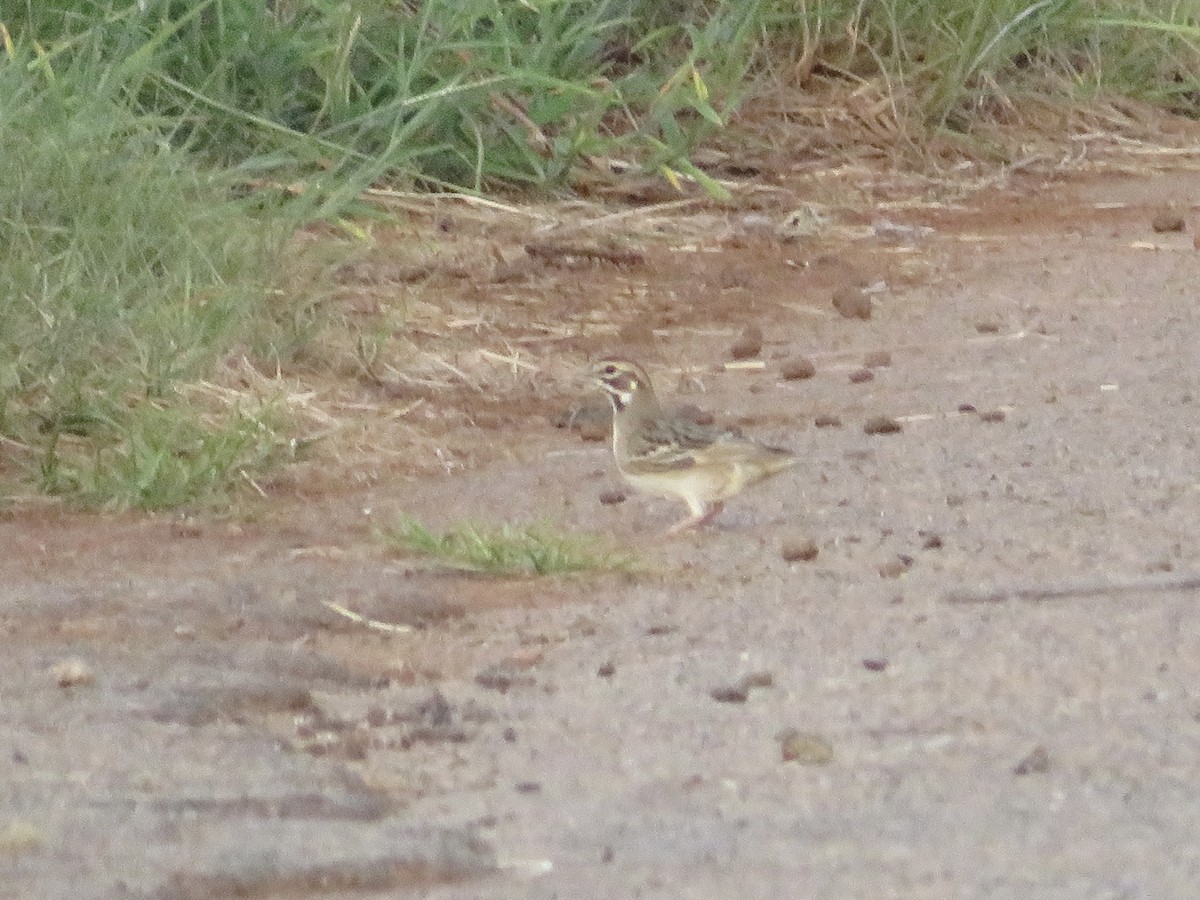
x=852, y=303
x=528, y=787
x=1035, y=762
x=798, y=368
x=613, y=497
x=827, y=420
x=875, y=665
x=606, y=670
x=932, y=542
x=987, y=327
x=877, y=359
x=18, y=838
x=966, y=407
x=859, y=376
x=799, y=549
x=881, y=425
x=894, y=568
x=749, y=343
x=1167, y=220
x=804, y=748
x=73, y=672
x=730, y=693
x=995, y=415
x=594, y=431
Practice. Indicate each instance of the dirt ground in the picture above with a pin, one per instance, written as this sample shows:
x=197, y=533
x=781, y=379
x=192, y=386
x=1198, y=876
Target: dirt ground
x=981, y=686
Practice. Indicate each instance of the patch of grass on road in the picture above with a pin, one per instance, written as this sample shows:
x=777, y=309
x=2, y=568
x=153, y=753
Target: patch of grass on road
x=508, y=549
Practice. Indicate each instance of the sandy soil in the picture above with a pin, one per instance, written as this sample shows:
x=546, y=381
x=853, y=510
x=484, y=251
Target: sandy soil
x=982, y=686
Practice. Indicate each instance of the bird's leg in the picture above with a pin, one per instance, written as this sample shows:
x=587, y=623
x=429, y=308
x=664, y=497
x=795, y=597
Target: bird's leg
x=701, y=516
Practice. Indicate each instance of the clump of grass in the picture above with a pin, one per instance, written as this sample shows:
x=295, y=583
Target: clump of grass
x=508, y=549
x=947, y=65
x=126, y=272
x=469, y=93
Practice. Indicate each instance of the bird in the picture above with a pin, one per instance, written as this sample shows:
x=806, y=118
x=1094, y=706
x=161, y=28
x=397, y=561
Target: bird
x=671, y=456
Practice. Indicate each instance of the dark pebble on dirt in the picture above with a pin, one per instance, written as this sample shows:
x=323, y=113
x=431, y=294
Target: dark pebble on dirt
x=798, y=368
x=739, y=691
x=804, y=748
x=881, y=425
x=852, y=303
x=827, y=420
x=877, y=359
x=931, y=541
x=987, y=327
x=611, y=498
x=993, y=416
x=798, y=549
x=730, y=693
x=749, y=343
x=528, y=787
x=875, y=665
x=1167, y=221
x=861, y=376
x=606, y=670
x=966, y=407
x=1035, y=762
x=502, y=676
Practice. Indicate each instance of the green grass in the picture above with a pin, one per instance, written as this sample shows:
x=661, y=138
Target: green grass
x=126, y=271
x=945, y=62
x=508, y=549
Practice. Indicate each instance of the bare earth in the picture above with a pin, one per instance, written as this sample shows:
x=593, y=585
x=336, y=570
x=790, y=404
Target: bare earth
x=986, y=675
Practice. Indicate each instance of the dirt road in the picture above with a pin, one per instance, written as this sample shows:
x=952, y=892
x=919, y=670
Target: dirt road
x=985, y=684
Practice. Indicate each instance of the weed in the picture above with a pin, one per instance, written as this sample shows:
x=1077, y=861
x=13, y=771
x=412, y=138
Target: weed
x=508, y=549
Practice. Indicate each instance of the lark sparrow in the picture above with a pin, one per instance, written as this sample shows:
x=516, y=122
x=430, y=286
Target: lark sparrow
x=673, y=457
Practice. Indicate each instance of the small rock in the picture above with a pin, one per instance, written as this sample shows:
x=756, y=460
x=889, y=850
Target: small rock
x=852, y=303
x=804, y=748
x=932, y=542
x=881, y=425
x=966, y=407
x=749, y=343
x=503, y=676
x=18, y=838
x=859, y=376
x=798, y=368
x=987, y=327
x=798, y=549
x=827, y=420
x=739, y=691
x=612, y=497
x=731, y=693
x=528, y=787
x=806, y=221
x=72, y=672
x=875, y=665
x=894, y=568
x=993, y=416
x=1035, y=762
x=877, y=359
x=606, y=670
x=1168, y=220
x=594, y=431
